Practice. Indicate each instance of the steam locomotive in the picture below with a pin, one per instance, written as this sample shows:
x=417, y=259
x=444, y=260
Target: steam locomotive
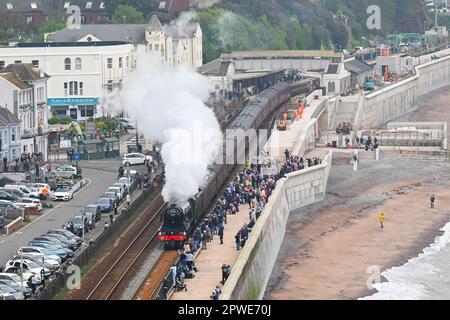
x=180, y=220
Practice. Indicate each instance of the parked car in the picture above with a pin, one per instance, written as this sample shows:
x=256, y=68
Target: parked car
x=127, y=182
x=95, y=210
x=65, y=233
x=78, y=224
x=51, y=264
x=64, y=193
x=53, y=241
x=51, y=246
x=56, y=251
x=13, y=277
x=42, y=188
x=7, y=196
x=17, y=287
x=28, y=266
x=14, y=192
x=111, y=195
x=29, y=203
x=27, y=191
x=123, y=188
x=72, y=243
x=131, y=159
x=117, y=191
x=38, y=252
x=5, y=204
x=7, y=291
x=68, y=168
x=127, y=123
x=90, y=220
x=105, y=205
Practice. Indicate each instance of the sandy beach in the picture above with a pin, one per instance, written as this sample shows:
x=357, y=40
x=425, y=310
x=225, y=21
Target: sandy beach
x=329, y=246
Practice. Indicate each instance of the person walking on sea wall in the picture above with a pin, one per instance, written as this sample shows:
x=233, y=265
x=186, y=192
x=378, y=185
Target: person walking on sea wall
x=381, y=220
x=432, y=201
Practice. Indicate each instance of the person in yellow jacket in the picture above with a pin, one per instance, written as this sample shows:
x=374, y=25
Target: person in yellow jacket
x=249, y=165
x=381, y=220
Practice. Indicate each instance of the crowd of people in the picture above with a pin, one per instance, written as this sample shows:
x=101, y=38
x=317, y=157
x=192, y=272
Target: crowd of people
x=25, y=162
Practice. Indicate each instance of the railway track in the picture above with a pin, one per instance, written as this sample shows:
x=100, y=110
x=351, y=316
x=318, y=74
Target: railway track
x=115, y=278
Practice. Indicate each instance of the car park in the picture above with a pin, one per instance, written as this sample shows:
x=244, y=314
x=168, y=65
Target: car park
x=131, y=159
x=64, y=193
x=29, y=203
x=95, y=210
x=105, y=205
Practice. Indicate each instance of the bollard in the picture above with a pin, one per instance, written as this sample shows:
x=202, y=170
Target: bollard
x=377, y=154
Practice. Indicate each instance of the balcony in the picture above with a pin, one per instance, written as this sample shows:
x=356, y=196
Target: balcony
x=29, y=133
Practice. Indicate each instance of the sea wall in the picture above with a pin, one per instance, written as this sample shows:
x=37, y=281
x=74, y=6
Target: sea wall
x=252, y=270
x=389, y=103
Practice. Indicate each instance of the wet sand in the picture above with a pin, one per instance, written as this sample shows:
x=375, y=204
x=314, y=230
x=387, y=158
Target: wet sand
x=329, y=246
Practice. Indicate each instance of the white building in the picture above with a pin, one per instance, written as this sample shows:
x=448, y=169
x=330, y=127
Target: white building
x=23, y=91
x=81, y=74
x=175, y=44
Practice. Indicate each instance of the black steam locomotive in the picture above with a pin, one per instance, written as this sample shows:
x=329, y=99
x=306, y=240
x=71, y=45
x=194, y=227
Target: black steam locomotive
x=179, y=221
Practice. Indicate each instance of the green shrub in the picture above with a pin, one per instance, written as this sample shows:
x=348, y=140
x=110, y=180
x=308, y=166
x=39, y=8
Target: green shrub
x=66, y=120
x=53, y=120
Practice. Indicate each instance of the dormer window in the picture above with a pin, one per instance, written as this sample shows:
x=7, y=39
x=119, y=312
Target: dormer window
x=66, y=5
x=162, y=4
x=102, y=5
x=9, y=6
x=88, y=5
x=33, y=5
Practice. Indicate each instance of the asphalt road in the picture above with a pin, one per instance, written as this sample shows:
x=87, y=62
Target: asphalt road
x=100, y=175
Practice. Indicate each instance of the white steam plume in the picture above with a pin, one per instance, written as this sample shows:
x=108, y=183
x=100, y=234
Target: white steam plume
x=168, y=107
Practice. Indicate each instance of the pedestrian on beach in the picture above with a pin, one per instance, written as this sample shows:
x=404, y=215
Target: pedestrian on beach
x=237, y=237
x=432, y=201
x=204, y=239
x=382, y=220
x=220, y=233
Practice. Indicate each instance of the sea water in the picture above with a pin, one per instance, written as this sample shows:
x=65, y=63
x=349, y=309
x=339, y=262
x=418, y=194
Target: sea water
x=425, y=277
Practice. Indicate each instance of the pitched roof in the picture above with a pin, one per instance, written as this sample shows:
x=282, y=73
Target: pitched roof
x=216, y=67
x=333, y=68
x=131, y=33
x=154, y=23
x=14, y=79
x=357, y=66
x=26, y=71
x=7, y=117
x=173, y=6
x=310, y=54
x=177, y=31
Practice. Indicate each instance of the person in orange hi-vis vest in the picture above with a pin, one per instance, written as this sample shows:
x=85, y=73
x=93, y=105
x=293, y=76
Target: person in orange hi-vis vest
x=299, y=111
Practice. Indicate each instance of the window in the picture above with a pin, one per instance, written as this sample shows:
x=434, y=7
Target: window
x=35, y=63
x=81, y=88
x=66, y=5
x=150, y=47
x=29, y=19
x=78, y=64
x=120, y=62
x=13, y=134
x=102, y=5
x=86, y=111
x=65, y=89
x=67, y=64
x=156, y=47
x=9, y=6
x=73, y=88
x=128, y=61
x=110, y=63
x=110, y=85
x=89, y=5
x=33, y=5
x=2, y=64
x=162, y=4
x=17, y=61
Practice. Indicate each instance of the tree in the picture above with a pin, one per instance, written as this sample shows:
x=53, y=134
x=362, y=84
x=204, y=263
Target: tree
x=48, y=27
x=127, y=14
